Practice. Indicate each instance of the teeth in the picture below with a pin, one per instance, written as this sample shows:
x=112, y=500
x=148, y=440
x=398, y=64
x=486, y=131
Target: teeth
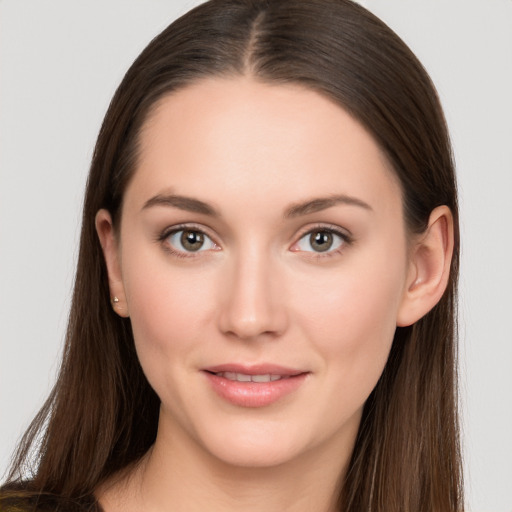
x=261, y=378
x=242, y=377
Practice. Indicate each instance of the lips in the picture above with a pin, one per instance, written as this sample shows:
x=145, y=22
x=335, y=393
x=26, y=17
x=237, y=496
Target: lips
x=254, y=386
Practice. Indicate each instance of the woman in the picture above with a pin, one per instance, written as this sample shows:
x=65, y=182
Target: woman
x=263, y=314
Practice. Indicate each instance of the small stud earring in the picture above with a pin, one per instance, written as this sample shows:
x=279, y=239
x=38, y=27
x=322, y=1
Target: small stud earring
x=114, y=301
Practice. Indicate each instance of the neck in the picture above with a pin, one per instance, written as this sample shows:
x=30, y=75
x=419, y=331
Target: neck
x=177, y=475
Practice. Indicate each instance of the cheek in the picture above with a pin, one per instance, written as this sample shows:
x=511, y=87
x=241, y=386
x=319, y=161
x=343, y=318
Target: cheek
x=351, y=318
x=167, y=308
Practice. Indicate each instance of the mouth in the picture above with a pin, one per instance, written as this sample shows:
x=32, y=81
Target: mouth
x=254, y=386
x=244, y=377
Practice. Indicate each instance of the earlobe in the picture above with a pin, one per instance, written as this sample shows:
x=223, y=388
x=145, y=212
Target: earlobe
x=110, y=247
x=429, y=268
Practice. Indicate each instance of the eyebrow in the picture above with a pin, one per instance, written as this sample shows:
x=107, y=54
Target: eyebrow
x=188, y=204
x=193, y=205
x=322, y=203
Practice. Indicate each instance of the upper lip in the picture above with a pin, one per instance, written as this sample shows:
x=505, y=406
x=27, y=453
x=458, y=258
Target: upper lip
x=254, y=369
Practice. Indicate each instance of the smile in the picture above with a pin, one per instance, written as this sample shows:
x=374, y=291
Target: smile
x=254, y=386
x=243, y=377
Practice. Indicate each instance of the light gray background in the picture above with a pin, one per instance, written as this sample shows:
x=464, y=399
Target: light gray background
x=61, y=61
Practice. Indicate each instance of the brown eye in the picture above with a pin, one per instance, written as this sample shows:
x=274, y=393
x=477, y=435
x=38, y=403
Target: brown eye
x=321, y=241
x=189, y=241
x=192, y=240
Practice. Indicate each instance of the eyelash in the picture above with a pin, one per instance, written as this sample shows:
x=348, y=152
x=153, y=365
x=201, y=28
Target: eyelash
x=176, y=229
x=346, y=240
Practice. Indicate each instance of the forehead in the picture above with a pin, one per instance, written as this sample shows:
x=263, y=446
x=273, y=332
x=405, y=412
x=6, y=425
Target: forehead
x=242, y=137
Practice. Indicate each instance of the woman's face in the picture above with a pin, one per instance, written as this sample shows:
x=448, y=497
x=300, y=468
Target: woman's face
x=263, y=263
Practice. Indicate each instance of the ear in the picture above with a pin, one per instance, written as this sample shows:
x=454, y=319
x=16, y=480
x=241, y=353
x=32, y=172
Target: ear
x=110, y=246
x=429, y=268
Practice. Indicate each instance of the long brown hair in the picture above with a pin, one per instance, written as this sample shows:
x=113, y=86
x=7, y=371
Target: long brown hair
x=102, y=414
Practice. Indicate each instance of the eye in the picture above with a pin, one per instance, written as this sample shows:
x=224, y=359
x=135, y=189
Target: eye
x=190, y=240
x=321, y=240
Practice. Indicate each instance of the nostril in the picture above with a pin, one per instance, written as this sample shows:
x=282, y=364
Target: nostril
x=249, y=308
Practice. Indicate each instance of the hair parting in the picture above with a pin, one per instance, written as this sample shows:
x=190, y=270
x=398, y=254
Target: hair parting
x=102, y=414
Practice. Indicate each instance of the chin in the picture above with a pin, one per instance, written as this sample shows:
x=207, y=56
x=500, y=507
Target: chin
x=267, y=455
x=261, y=444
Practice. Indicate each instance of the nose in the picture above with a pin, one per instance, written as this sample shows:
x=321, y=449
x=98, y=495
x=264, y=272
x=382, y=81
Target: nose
x=252, y=299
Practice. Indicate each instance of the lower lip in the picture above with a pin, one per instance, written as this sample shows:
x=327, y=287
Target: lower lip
x=254, y=394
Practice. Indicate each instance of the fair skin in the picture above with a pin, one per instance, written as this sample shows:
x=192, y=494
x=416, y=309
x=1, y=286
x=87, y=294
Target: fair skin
x=262, y=233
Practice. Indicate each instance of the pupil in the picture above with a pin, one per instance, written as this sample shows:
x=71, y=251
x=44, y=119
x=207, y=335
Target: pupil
x=321, y=241
x=192, y=240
